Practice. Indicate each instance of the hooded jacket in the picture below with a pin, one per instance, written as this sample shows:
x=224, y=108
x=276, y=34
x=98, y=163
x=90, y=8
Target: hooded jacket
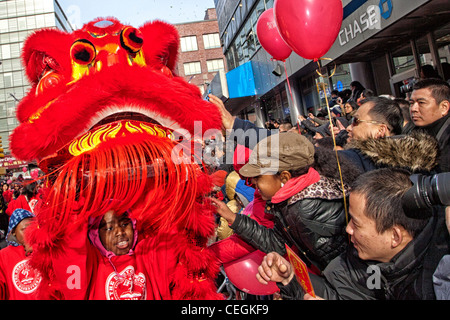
x=124, y=283
x=86, y=270
x=417, y=152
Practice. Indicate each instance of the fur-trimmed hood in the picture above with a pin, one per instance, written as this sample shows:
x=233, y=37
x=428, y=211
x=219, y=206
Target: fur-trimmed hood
x=416, y=152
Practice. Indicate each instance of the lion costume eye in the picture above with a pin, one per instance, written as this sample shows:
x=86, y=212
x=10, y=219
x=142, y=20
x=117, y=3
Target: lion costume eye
x=83, y=52
x=50, y=79
x=131, y=40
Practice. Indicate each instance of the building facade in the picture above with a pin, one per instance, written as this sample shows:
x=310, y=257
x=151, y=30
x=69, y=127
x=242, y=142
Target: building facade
x=19, y=18
x=201, y=56
x=382, y=43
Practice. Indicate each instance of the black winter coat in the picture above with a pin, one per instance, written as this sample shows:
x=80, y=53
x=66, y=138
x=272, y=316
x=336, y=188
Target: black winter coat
x=313, y=221
x=417, y=152
x=440, y=129
x=408, y=276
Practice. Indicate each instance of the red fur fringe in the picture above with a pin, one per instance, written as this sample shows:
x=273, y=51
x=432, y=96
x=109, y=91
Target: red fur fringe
x=143, y=177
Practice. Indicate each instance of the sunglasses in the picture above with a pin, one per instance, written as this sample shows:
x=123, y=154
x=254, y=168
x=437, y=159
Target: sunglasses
x=356, y=121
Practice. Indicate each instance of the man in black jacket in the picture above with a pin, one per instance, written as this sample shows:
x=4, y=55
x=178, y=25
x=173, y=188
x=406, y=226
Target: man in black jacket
x=392, y=256
x=429, y=108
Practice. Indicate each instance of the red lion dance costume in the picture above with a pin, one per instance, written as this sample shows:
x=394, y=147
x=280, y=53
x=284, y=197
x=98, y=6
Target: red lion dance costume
x=102, y=119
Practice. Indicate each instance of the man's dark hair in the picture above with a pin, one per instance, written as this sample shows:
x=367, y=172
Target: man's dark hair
x=429, y=72
x=357, y=84
x=386, y=111
x=29, y=189
x=440, y=90
x=367, y=93
x=383, y=190
x=404, y=105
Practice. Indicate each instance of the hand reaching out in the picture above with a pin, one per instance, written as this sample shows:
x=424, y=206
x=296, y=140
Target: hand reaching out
x=223, y=210
x=227, y=118
x=275, y=268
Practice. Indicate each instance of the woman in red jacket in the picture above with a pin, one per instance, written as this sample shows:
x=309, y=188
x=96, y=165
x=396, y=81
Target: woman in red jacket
x=7, y=193
x=27, y=200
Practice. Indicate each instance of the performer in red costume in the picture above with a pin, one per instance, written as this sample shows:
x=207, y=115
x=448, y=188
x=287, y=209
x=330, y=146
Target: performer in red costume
x=111, y=124
x=18, y=281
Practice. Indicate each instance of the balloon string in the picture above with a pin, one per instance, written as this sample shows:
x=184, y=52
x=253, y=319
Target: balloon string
x=290, y=92
x=318, y=63
x=334, y=139
x=287, y=79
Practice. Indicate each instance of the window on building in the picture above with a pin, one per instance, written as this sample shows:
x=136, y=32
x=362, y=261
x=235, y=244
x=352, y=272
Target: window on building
x=31, y=22
x=29, y=6
x=12, y=122
x=12, y=23
x=20, y=6
x=22, y=23
x=15, y=50
x=231, y=58
x=10, y=109
x=3, y=10
x=16, y=65
x=7, y=65
x=6, y=51
x=3, y=26
x=8, y=79
x=11, y=8
x=211, y=40
x=189, y=43
x=17, y=78
x=50, y=20
x=40, y=21
x=3, y=125
x=215, y=65
x=192, y=68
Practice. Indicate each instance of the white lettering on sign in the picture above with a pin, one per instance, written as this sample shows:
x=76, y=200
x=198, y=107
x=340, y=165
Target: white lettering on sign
x=369, y=20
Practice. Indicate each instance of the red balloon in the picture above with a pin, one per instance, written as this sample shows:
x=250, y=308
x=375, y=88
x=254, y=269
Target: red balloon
x=35, y=174
x=309, y=27
x=242, y=273
x=270, y=38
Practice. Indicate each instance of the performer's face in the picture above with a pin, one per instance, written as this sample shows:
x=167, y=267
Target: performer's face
x=116, y=233
x=19, y=230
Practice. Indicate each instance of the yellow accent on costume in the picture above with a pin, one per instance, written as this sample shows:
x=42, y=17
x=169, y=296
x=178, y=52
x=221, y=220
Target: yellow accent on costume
x=92, y=139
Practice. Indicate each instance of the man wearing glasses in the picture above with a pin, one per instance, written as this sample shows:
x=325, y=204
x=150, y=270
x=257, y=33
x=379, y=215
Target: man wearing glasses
x=376, y=118
x=372, y=144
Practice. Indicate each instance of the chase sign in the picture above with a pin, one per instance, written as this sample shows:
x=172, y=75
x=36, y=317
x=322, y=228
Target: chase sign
x=385, y=8
x=369, y=18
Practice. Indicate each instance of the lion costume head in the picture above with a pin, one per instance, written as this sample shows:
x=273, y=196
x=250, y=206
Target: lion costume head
x=104, y=117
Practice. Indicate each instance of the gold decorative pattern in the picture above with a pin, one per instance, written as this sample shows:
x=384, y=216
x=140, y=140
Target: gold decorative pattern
x=93, y=138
